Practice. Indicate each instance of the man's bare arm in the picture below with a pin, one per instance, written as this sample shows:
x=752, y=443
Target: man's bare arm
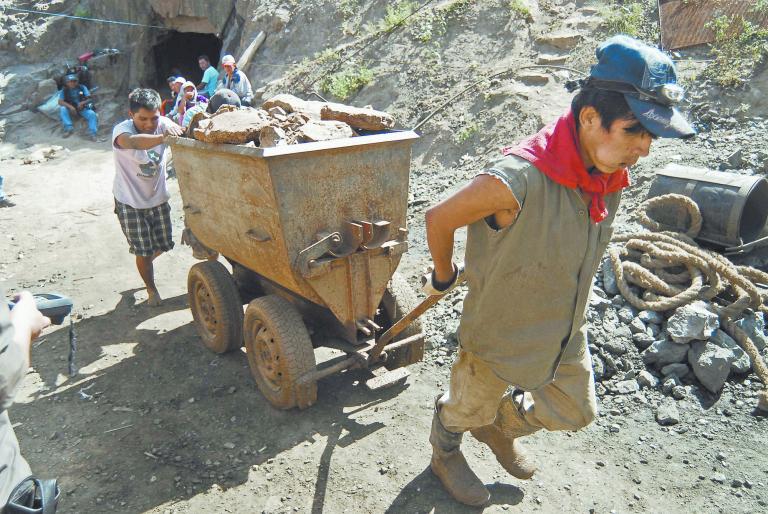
x=128, y=141
x=27, y=323
x=66, y=104
x=482, y=197
x=139, y=141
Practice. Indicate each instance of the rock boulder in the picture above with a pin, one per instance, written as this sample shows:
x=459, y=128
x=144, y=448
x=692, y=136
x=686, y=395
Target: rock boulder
x=325, y=130
x=664, y=352
x=754, y=325
x=740, y=362
x=692, y=322
x=711, y=364
x=357, y=118
x=667, y=413
x=234, y=127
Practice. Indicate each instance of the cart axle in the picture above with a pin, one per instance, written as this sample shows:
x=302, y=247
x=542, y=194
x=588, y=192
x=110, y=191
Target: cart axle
x=358, y=360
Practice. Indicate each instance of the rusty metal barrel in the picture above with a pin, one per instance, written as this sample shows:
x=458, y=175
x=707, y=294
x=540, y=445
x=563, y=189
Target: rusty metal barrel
x=734, y=207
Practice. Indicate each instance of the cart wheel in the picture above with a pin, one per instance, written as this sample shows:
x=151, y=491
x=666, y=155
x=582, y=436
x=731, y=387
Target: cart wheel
x=399, y=299
x=216, y=306
x=279, y=352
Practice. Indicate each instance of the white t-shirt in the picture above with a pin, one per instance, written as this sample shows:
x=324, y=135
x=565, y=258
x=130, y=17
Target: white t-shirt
x=140, y=174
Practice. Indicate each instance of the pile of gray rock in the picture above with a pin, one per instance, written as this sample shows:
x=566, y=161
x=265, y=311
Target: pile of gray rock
x=674, y=352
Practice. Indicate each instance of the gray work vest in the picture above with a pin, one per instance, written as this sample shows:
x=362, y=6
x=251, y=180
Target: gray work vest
x=529, y=283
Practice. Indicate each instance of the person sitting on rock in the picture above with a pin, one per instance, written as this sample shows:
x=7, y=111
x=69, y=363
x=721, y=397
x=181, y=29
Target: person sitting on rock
x=175, y=89
x=538, y=222
x=75, y=99
x=169, y=103
x=190, y=113
x=236, y=80
x=210, y=80
x=189, y=100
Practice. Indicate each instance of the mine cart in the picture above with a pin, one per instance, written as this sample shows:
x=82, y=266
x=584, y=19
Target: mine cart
x=314, y=233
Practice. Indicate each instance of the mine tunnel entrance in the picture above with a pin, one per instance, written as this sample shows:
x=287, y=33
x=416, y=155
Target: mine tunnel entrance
x=177, y=52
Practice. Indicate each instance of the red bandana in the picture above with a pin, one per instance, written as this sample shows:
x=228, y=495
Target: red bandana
x=554, y=150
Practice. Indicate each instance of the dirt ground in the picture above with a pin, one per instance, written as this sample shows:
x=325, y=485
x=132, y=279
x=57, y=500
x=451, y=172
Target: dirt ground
x=154, y=422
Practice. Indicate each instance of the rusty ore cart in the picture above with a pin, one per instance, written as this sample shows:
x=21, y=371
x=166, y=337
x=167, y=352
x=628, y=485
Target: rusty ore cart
x=314, y=233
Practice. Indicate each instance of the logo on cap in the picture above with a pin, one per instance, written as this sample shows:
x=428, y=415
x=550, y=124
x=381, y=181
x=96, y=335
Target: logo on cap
x=653, y=115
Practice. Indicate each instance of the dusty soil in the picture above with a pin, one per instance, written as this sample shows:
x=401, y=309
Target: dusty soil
x=154, y=422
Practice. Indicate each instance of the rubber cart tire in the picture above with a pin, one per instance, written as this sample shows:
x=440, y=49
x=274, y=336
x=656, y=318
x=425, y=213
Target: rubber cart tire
x=399, y=299
x=279, y=351
x=216, y=306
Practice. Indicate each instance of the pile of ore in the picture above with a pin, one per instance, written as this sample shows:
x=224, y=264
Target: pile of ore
x=285, y=120
x=678, y=353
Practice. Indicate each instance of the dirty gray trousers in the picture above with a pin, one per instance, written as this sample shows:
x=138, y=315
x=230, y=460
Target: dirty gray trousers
x=476, y=395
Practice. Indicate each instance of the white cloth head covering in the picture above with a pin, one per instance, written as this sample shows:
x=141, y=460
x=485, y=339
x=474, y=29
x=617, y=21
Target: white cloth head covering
x=228, y=59
x=189, y=84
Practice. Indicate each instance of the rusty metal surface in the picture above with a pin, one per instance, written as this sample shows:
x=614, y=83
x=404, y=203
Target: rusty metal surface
x=268, y=208
x=734, y=207
x=684, y=23
x=401, y=325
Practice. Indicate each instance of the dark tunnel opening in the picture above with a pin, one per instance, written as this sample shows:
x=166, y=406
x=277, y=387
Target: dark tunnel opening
x=177, y=53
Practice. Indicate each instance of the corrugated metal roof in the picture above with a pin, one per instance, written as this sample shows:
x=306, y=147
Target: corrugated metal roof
x=683, y=23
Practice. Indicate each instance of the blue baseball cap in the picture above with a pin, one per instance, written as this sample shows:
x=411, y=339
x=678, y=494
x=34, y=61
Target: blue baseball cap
x=647, y=78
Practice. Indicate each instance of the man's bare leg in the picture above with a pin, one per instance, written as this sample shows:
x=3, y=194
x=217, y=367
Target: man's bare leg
x=147, y=272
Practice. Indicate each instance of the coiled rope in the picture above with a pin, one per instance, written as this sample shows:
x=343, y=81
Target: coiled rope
x=674, y=271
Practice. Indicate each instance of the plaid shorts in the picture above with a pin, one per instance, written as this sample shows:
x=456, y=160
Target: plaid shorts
x=147, y=230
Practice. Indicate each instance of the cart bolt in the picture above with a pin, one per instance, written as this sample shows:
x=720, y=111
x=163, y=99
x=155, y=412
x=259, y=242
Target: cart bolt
x=362, y=328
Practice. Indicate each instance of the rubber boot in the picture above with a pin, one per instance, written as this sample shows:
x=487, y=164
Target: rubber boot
x=450, y=466
x=502, y=435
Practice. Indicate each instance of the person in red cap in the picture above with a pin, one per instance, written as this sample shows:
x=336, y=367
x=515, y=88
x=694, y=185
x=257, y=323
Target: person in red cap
x=538, y=221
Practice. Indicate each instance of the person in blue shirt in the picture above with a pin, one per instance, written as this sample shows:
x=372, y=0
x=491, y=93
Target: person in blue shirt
x=207, y=86
x=75, y=99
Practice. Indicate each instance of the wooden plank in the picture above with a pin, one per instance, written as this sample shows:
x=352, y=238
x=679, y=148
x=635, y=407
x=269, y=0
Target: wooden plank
x=245, y=59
